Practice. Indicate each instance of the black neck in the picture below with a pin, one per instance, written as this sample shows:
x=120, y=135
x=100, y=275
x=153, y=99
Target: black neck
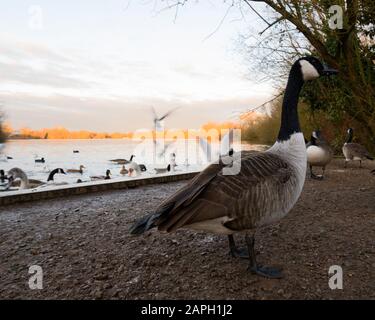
x=51, y=175
x=289, y=113
x=349, y=138
x=313, y=141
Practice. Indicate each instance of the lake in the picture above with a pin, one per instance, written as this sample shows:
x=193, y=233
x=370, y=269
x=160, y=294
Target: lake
x=95, y=156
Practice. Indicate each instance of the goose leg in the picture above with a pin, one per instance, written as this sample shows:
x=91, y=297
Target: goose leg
x=234, y=251
x=360, y=163
x=267, y=272
x=313, y=175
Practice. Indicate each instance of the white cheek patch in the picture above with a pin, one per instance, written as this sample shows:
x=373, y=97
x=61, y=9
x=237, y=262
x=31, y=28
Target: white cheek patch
x=308, y=70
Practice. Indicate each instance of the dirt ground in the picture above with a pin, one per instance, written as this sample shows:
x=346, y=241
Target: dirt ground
x=84, y=248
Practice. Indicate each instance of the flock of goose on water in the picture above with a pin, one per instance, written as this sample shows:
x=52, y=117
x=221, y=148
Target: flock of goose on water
x=16, y=177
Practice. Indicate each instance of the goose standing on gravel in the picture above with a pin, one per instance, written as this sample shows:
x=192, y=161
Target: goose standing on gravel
x=354, y=151
x=256, y=189
x=80, y=170
x=319, y=153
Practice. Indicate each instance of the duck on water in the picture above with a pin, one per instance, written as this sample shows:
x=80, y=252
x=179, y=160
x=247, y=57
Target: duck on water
x=264, y=190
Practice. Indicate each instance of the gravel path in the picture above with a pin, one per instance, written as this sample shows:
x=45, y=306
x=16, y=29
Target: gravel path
x=84, y=248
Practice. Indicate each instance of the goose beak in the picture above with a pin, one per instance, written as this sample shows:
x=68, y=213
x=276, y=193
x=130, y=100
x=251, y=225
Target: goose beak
x=328, y=71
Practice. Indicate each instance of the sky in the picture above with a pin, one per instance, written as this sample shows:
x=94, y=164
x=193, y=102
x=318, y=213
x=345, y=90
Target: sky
x=101, y=65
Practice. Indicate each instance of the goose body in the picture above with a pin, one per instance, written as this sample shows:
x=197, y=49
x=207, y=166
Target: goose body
x=246, y=190
x=354, y=151
x=122, y=161
x=135, y=169
x=80, y=170
x=163, y=170
x=106, y=177
x=319, y=153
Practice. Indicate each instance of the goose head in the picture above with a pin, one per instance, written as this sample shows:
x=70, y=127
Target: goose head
x=82, y=167
x=61, y=171
x=312, y=68
x=108, y=173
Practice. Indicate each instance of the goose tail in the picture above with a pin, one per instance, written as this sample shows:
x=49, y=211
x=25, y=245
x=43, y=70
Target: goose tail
x=142, y=225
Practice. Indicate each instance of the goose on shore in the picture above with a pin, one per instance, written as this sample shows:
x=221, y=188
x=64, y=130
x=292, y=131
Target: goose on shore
x=80, y=170
x=251, y=190
x=41, y=160
x=354, y=151
x=319, y=154
x=106, y=177
x=135, y=169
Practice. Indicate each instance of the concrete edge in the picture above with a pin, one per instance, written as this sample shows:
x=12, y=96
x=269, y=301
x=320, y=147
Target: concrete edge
x=86, y=188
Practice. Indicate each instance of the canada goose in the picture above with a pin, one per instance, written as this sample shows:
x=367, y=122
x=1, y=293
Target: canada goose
x=263, y=186
x=106, y=177
x=75, y=151
x=41, y=160
x=80, y=170
x=123, y=161
x=163, y=170
x=9, y=158
x=354, y=151
x=137, y=168
x=319, y=153
x=142, y=167
x=123, y=171
x=51, y=177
